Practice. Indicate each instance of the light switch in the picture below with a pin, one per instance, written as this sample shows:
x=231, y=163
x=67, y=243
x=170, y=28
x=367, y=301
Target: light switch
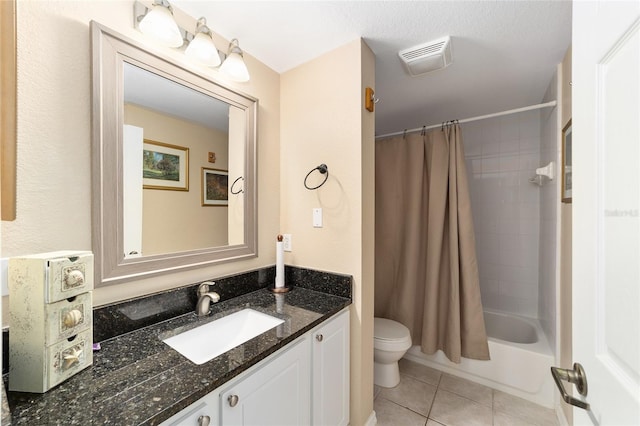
x=317, y=218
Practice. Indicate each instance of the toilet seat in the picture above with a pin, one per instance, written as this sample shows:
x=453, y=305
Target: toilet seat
x=389, y=335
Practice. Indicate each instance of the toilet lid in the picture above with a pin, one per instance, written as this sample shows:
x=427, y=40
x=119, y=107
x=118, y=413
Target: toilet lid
x=386, y=329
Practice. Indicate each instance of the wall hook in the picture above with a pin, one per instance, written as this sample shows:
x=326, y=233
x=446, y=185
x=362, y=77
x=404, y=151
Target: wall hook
x=370, y=99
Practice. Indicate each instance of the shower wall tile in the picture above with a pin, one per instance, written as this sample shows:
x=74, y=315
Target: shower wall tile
x=506, y=209
x=529, y=145
x=509, y=128
x=549, y=201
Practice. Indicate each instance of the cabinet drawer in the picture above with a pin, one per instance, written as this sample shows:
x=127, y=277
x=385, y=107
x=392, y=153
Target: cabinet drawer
x=66, y=358
x=68, y=276
x=67, y=318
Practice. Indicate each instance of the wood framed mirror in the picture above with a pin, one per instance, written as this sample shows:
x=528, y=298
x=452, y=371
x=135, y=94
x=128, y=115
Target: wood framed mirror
x=156, y=124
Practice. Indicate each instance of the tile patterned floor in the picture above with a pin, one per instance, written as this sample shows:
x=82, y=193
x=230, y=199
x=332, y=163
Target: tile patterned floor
x=427, y=397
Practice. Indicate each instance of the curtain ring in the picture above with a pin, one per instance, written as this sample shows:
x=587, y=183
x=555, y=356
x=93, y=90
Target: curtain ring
x=234, y=183
x=323, y=169
x=424, y=130
x=404, y=134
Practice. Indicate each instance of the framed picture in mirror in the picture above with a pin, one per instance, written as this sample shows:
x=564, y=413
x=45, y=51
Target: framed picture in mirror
x=165, y=166
x=215, y=187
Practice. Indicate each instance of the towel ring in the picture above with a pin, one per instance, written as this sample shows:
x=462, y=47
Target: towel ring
x=323, y=169
x=234, y=183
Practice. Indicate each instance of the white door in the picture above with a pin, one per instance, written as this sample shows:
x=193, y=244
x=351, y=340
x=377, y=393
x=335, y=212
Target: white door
x=330, y=373
x=276, y=394
x=606, y=209
x=132, y=194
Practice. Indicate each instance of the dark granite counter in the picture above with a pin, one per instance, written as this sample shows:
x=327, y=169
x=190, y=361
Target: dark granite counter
x=136, y=379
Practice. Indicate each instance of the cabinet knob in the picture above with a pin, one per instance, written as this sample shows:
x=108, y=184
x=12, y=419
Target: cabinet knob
x=204, y=420
x=74, y=278
x=72, y=318
x=71, y=357
x=233, y=400
x=319, y=337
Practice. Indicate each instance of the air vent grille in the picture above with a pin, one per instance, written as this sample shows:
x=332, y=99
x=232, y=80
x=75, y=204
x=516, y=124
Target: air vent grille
x=426, y=50
x=427, y=57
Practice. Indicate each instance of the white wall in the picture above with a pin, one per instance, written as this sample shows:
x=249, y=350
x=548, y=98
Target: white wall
x=549, y=207
x=502, y=154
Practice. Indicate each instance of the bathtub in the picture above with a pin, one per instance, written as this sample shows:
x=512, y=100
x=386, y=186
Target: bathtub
x=520, y=359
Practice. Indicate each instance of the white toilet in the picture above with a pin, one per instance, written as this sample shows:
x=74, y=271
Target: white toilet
x=391, y=340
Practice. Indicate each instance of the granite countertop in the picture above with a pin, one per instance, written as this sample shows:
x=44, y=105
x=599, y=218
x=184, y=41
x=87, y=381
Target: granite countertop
x=136, y=379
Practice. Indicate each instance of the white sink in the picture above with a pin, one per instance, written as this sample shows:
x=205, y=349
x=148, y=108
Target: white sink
x=206, y=342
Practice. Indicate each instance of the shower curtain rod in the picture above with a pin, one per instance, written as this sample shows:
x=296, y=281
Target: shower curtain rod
x=480, y=117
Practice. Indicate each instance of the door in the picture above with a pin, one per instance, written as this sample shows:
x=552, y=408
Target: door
x=277, y=394
x=330, y=373
x=606, y=209
x=132, y=193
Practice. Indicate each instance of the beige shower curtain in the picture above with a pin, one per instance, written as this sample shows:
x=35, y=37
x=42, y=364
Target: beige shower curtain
x=426, y=274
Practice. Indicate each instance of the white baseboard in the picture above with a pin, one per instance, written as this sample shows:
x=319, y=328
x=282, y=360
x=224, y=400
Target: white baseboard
x=372, y=420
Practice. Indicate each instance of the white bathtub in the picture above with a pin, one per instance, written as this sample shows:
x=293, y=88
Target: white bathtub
x=520, y=366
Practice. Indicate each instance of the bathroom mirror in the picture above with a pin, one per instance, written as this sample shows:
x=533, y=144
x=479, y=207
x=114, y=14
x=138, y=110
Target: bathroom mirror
x=174, y=182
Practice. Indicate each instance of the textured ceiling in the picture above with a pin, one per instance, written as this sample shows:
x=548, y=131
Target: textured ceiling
x=504, y=52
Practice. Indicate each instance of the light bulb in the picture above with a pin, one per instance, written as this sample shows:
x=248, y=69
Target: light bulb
x=234, y=67
x=202, y=49
x=159, y=24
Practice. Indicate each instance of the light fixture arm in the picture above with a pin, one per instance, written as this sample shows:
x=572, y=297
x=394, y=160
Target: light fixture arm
x=234, y=47
x=201, y=26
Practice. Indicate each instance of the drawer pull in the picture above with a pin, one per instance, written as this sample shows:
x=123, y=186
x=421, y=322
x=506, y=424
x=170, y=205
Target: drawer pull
x=72, y=318
x=233, y=400
x=204, y=420
x=319, y=337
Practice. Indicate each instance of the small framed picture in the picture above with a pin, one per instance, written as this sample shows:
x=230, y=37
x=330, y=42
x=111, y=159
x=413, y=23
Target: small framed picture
x=566, y=163
x=215, y=187
x=165, y=166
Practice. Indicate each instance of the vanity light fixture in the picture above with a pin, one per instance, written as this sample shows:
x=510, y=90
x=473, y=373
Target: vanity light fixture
x=201, y=48
x=233, y=66
x=158, y=23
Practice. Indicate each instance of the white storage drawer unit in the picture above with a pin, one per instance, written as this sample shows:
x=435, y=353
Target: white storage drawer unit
x=51, y=321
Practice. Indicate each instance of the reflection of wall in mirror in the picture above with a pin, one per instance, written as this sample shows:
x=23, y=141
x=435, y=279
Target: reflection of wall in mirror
x=175, y=220
x=237, y=137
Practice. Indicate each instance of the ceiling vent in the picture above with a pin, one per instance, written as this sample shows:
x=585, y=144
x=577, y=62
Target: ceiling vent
x=427, y=57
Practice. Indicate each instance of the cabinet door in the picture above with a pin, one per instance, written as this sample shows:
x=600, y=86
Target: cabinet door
x=203, y=412
x=278, y=394
x=330, y=394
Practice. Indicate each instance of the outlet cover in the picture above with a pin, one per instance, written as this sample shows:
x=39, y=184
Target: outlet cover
x=286, y=239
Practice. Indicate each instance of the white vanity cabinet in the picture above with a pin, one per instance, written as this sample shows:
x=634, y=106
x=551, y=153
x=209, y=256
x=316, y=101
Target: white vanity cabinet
x=277, y=394
x=304, y=383
x=330, y=372
x=203, y=412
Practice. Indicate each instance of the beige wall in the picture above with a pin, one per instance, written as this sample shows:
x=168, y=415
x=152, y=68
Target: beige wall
x=564, y=329
x=54, y=140
x=176, y=220
x=323, y=121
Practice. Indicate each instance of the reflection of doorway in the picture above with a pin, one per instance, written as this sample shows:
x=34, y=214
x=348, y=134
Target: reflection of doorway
x=132, y=190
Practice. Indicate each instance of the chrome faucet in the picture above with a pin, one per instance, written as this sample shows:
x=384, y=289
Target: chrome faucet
x=205, y=298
